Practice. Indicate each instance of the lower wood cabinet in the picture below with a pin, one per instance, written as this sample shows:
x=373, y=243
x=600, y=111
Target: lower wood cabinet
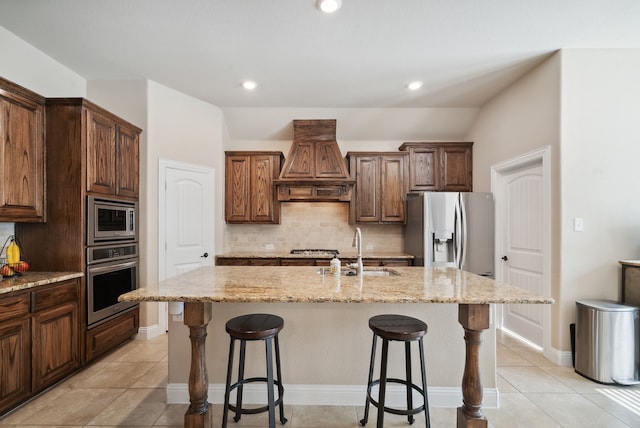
x=105, y=337
x=39, y=340
x=287, y=261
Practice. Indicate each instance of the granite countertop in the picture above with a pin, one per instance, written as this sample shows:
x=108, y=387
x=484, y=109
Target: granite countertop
x=630, y=262
x=34, y=279
x=288, y=255
x=306, y=285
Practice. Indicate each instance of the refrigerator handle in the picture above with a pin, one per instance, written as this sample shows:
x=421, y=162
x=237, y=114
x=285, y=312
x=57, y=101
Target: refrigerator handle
x=458, y=231
x=463, y=238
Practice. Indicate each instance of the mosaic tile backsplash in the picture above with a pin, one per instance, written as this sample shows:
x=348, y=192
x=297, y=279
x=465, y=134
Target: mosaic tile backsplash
x=312, y=225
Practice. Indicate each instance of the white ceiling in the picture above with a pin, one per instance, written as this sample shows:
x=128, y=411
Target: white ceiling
x=363, y=56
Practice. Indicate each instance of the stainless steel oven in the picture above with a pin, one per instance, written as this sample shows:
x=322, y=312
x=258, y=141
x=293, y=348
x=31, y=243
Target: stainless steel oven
x=111, y=220
x=112, y=270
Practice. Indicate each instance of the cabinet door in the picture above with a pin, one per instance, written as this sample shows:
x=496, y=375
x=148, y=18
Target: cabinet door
x=392, y=188
x=366, y=205
x=21, y=157
x=456, y=169
x=127, y=162
x=263, y=206
x=55, y=344
x=424, y=168
x=236, y=194
x=101, y=154
x=15, y=361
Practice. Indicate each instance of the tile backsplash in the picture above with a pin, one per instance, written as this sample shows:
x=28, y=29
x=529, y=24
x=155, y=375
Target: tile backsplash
x=6, y=230
x=312, y=225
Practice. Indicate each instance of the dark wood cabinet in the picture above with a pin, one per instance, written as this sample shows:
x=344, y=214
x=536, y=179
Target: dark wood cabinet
x=112, y=155
x=381, y=187
x=287, y=261
x=249, y=189
x=39, y=340
x=22, y=154
x=56, y=332
x=112, y=333
x=90, y=151
x=15, y=350
x=443, y=167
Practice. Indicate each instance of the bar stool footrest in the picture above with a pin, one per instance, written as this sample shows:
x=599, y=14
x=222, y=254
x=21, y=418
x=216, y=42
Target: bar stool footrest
x=409, y=412
x=256, y=410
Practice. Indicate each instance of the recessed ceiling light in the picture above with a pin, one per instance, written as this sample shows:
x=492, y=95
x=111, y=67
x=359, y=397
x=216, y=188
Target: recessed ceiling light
x=249, y=85
x=329, y=6
x=415, y=85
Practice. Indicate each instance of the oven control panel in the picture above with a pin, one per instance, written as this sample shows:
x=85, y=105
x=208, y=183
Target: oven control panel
x=111, y=252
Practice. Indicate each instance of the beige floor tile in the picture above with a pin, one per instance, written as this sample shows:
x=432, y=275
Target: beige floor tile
x=532, y=379
x=173, y=415
x=134, y=407
x=505, y=357
x=573, y=380
x=156, y=377
x=517, y=411
x=575, y=411
x=69, y=407
x=504, y=386
x=624, y=404
x=325, y=417
x=391, y=420
x=532, y=355
x=110, y=375
x=253, y=421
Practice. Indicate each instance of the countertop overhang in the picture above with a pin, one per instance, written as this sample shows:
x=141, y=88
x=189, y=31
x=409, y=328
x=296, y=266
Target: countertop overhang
x=288, y=255
x=306, y=285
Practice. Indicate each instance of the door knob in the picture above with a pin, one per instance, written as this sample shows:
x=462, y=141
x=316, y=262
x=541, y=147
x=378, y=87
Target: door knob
x=505, y=258
x=205, y=255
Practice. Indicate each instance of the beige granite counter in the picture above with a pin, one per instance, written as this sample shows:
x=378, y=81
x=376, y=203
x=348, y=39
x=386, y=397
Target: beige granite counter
x=305, y=285
x=34, y=279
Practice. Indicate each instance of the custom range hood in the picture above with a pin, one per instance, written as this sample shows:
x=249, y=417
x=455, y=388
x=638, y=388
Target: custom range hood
x=314, y=170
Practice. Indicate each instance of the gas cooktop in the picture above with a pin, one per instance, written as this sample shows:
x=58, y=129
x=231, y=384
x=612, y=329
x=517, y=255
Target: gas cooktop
x=315, y=252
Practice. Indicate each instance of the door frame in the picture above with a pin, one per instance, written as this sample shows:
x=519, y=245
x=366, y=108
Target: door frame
x=163, y=165
x=498, y=176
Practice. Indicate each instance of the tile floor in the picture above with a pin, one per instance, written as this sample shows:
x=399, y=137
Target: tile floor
x=126, y=388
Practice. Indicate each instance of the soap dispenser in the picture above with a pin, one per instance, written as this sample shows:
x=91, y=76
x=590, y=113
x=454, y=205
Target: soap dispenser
x=335, y=265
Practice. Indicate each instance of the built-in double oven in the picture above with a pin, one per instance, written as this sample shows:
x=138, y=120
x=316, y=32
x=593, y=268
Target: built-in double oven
x=112, y=256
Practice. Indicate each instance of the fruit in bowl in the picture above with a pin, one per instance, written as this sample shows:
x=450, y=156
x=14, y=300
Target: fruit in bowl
x=21, y=266
x=6, y=270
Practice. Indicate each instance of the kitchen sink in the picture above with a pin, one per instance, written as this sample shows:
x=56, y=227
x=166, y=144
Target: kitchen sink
x=365, y=272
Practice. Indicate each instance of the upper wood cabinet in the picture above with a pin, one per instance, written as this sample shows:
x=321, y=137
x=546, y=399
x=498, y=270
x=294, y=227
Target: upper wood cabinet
x=443, y=167
x=112, y=156
x=250, y=195
x=22, y=152
x=381, y=187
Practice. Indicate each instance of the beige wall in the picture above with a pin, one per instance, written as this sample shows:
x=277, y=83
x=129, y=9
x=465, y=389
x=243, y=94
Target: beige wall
x=523, y=118
x=600, y=174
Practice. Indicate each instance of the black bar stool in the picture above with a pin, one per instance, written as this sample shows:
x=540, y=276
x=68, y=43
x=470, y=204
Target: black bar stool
x=404, y=329
x=254, y=327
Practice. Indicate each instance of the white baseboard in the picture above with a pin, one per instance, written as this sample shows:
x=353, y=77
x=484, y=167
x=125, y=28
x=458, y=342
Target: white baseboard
x=561, y=358
x=333, y=395
x=146, y=333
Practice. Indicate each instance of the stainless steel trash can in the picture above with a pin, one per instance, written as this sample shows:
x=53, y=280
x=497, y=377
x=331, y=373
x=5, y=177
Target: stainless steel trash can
x=607, y=335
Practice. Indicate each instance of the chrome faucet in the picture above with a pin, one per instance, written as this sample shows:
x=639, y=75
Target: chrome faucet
x=357, y=242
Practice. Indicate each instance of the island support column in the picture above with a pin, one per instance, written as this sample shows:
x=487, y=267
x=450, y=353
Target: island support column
x=474, y=319
x=197, y=316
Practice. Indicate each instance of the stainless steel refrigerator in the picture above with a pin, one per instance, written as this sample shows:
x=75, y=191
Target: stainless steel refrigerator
x=451, y=229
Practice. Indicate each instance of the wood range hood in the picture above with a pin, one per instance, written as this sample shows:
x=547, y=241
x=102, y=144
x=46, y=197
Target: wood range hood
x=314, y=170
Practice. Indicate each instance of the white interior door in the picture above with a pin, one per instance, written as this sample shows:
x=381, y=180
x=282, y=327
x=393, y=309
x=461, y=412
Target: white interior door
x=522, y=194
x=186, y=220
x=522, y=256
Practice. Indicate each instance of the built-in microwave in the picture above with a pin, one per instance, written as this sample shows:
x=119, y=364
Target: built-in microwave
x=111, y=220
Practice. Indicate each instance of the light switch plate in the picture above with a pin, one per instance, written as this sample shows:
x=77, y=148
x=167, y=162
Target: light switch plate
x=578, y=224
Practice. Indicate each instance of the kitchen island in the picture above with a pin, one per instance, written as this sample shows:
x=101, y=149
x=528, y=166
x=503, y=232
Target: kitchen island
x=200, y=288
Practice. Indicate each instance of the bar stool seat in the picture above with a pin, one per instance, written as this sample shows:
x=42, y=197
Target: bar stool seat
x=404, y=329
x=247, y=328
